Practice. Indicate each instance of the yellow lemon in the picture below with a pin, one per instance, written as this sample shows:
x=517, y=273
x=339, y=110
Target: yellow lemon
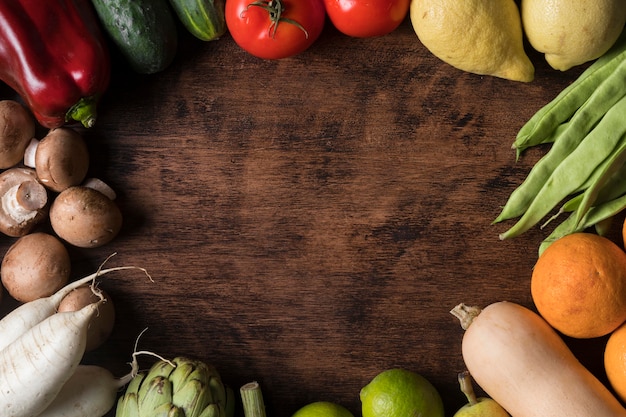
x=477, y=36
x=323, y=409
x=572, y=32
x=400, y=393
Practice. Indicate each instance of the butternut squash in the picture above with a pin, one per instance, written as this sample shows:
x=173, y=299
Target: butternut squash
x=520, y=361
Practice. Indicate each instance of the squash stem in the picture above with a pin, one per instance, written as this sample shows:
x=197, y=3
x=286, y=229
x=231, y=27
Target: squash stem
x=466, y=314
x=252, y=399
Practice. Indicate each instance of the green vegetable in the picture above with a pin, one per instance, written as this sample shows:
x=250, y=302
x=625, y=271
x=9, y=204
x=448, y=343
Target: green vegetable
x=143, y=30
x=252, y=400
x=594, y=216
x=614, y=187
x=569, y=136
x=586, y=164
x=604, y=172
x=571, y=98
x=575, y=168
x=204, y=19
x=179, y=388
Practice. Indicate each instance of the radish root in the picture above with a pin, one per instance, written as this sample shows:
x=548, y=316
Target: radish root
x=135, y=364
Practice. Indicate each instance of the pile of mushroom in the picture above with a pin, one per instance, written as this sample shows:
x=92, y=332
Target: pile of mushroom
x=43, y=182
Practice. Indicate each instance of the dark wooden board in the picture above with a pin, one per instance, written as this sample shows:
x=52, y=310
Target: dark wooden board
x=310, y=222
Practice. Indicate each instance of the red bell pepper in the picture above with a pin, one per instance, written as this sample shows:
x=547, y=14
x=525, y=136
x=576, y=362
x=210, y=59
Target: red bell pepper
x=53, y=54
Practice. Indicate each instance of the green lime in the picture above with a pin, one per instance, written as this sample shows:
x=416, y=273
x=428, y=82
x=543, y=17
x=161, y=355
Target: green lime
x=400, y=393
x=323, y=409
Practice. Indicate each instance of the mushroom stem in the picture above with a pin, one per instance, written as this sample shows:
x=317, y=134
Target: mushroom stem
x=29, y=153
x=22, y=201
x=99, y=185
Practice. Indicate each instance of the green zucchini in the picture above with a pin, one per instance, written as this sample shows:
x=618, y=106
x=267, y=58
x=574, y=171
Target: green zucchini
x=144, y=31
x=204, y=19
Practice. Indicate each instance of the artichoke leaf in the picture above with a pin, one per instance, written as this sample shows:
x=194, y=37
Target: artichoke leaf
x=153, y=394
x=193, y=397
x=213, y=410
x=166, y=410
x=218, y=392
x=127, y=406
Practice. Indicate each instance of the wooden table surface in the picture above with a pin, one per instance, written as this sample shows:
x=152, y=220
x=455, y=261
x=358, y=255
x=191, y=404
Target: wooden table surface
x=310, y=222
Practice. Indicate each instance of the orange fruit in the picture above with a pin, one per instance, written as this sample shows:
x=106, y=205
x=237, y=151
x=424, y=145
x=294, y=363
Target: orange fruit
x=615, y=361
x=624, y=233
x=578, y=285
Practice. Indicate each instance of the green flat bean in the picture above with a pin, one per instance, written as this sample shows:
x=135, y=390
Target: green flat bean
x=603, y=227
x=567, y=207
x=563, y=106
x=608, y=92
x=586, y=118
x=575, y=169
x=606, y=171
x=594, y=216
x=572, y=204
x=522, y=196
x=546, y=141
x=614, y=187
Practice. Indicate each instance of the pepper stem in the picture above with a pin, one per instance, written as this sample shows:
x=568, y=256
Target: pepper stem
x=252, y=399
x=84, y=111
x=275, y=9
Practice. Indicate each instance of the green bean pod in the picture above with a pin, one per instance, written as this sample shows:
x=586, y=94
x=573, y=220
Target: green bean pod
x=565, y=104
x=614, y=187
x=609, y=90
x=606, y=171
x=575, y=169
x=522, y=197
x=551, y=138
x=594, y=216
x=571, y=134
x=603, y=227
x=592, y=181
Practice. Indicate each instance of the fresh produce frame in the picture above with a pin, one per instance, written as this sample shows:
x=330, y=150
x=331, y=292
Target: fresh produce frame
x=122, y=79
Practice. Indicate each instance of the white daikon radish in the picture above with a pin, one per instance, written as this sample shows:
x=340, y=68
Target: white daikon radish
x=34, y=368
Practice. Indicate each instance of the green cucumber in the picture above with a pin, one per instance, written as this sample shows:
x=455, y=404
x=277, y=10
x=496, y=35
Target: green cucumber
x=144, y=31
x=204, y=19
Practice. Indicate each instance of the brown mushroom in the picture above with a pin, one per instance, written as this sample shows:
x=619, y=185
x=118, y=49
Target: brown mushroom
x=17, y=128
x=24, y=201
x=101, y=325
x=85, y=217
x=61, y=158
x=99, y=185
x=35, y=266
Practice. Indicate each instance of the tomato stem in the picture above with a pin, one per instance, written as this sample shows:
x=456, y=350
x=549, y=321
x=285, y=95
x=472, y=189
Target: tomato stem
x=275, y=9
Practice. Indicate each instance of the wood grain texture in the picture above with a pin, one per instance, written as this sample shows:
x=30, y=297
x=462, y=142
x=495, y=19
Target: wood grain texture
x=310, y=222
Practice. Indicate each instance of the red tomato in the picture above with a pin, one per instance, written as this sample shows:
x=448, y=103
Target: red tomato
x=274, y=29
x=366, y=18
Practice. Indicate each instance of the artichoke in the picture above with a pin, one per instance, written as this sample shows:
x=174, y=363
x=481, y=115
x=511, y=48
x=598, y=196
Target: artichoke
x=179, y=388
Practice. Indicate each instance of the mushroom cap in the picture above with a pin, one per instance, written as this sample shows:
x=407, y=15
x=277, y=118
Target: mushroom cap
x=61, y=159
x=32, y=196
x=35, y=266
x=17, y=128
x=85, y=217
